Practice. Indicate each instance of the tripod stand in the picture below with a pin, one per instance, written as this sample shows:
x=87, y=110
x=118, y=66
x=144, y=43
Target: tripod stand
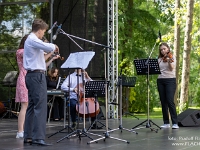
x=85, y=66
x=127, y=82
x=9, y=81
x=120, y=107
x=95, y=89
x=107, y=135
x=74, y=61
x=147, y=67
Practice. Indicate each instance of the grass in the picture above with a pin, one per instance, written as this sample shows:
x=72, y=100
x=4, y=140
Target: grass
x=157, y=113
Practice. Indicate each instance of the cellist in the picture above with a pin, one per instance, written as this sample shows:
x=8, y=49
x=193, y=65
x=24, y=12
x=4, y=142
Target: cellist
x=74, y=91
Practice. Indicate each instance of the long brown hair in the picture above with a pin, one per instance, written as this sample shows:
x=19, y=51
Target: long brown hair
x=21, y=45
x=162, y=44
x=51, y=72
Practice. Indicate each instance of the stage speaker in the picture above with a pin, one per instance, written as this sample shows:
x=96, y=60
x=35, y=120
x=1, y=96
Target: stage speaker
x=188, y=118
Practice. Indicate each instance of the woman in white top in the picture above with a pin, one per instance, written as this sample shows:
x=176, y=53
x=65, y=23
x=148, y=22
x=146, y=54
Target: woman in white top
x=166, y=83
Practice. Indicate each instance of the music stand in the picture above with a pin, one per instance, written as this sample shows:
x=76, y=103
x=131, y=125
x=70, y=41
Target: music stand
x=106, y=104
x=106, y=134
x=120, y=110
x=147, y=67
x=9, y=81
x=128, y=82
x=78, y=60
x=95, y=89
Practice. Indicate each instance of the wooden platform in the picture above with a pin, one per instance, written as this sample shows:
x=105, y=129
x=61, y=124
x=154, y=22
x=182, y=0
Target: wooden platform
x=184, y=138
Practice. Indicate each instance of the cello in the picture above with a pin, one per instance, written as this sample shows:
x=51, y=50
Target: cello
x=89, y=105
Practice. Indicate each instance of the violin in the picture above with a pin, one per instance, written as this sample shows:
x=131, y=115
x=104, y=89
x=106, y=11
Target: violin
x=55, y=54
x=168, y=57
x=90, y=110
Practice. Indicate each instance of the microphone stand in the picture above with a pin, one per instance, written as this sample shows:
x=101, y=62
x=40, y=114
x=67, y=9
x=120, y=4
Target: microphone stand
x=107, y=135
x=78, y=132
x=82, y=39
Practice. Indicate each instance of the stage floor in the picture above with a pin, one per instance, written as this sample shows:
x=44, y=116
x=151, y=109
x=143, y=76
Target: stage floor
x=184, y=138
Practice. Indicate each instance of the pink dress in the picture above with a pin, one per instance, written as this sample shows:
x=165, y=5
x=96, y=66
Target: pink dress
x=21, y=90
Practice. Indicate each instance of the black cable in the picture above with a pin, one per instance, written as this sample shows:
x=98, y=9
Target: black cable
x=70, y=12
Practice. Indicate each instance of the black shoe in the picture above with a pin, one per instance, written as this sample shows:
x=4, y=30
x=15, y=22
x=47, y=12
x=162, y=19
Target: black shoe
x=73, y=125
x=28, y=140
x=40, y=142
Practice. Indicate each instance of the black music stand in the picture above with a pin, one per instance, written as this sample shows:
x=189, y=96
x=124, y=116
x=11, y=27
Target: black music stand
x=106, y=134
x=78, y=60
x=95, y=89
x=10, y=81
x=147, y=67
x=120, y=109
x=128, y=82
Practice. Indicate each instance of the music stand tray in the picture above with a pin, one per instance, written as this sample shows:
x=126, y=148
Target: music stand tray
x=78, y=60
x=142, y=66
x=147, y=67
x=128, y=82
x=95, y=89
x=120, y=83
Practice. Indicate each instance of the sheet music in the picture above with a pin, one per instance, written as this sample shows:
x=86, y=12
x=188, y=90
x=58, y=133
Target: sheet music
x=10, y=77
x=78, y=60
x=57, y=86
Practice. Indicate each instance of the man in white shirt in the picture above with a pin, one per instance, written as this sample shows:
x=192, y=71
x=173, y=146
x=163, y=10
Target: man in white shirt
x=71, y=84
x=34, y=63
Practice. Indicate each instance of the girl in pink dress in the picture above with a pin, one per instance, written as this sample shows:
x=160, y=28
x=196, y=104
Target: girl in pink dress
x=21, y=90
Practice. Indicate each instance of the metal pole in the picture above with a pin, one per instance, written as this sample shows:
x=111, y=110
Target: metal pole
x=51, y=18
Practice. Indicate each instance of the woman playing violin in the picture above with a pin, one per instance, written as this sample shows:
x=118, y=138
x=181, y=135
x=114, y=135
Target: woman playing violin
x=166, y=83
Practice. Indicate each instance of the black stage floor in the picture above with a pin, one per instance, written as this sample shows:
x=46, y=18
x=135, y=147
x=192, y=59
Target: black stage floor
x=184, y=138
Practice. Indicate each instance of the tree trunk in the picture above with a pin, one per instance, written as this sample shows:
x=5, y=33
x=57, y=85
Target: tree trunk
x=186, y=56
x=177, y=44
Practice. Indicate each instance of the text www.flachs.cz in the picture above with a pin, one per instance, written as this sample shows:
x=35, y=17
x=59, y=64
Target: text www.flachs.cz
x=186, y=144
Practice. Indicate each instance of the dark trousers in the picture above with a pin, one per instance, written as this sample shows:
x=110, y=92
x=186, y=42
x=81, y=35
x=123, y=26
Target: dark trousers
x=36, y=114
x=73, y=103
x=166, y=89
x=58, y=108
